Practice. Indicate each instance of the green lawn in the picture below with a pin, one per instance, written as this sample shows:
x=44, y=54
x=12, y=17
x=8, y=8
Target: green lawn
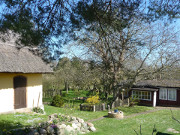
x=107, y=126
x=9, y=121
x=70, y=97
x=161, y=119
x=19, y=120
x=135, y=109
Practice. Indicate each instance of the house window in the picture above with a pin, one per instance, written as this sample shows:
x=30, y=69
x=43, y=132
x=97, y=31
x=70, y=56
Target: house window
x=163, y=94
x=142, y=95
x=167, y=94
x=172, y=94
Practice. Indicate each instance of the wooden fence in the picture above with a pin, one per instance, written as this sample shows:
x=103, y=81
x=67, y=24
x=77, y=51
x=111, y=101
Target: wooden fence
x=94, y=108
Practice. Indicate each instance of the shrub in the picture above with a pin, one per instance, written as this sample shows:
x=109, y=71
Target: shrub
x=64, y=94
x=133, y=101
x=90, y=93
x=76, y=92
x=57, y=101
x=93, y=100
x=38, y=110
x=102, y=95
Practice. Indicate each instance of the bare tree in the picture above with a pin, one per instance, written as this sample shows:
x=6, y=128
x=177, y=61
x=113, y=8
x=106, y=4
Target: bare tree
x=145, y=45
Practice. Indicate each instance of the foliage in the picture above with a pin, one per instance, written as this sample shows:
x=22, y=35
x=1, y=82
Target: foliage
x=102, y=95
x=93, y=99
x=57, y=101
x=39, y=21
x=77, y=92
x=121, y=33
x=64, y=94
x=133, y=101
x=38, y=110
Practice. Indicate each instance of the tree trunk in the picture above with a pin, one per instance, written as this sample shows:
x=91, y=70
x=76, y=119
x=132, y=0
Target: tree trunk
x=66, y=86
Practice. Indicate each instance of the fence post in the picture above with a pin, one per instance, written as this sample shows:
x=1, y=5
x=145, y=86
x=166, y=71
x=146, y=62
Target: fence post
x=94, y=108
x=103, y=106
x=109, y=108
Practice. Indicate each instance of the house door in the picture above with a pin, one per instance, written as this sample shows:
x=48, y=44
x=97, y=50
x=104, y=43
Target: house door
x=20, y=92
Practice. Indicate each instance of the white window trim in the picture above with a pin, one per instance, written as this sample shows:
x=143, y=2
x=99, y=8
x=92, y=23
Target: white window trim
x=160, y=94
x=141, y=95
x=175, y=94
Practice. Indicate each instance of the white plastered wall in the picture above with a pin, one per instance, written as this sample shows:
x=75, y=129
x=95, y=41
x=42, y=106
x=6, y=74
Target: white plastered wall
x=33, y=91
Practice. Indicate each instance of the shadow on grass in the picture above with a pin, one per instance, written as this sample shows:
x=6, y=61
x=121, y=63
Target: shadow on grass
x=160, y=133
x=8, y=125
x=12, y=128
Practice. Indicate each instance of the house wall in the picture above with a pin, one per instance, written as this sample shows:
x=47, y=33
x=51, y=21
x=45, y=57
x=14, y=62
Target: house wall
x=161, y=102
x=33, y=91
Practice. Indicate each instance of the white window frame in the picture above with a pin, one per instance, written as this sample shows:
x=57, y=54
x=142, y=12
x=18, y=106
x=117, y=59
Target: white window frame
x=161, y=91
x=173, y=93
x=141, y=95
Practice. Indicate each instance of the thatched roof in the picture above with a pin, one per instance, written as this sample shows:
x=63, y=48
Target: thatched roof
x=13, y=60
x=145, y=89
x=158, y=83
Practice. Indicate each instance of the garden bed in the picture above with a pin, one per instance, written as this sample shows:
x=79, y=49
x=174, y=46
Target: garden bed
x=94, y=108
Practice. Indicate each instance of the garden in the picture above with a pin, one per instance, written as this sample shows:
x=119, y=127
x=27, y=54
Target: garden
x=137, y=119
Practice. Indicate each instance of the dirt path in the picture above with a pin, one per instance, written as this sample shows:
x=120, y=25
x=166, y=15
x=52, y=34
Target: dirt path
x=136, y=114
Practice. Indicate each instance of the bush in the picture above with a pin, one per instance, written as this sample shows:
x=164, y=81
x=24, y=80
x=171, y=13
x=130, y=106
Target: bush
x=133, y=101
x=38, y=110
x=64, y=94
x=93, y=100
x=57, y=101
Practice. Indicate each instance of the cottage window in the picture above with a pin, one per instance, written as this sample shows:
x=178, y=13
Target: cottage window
x=142, y=95
x=163, y=94
x=172, y=94
x=167, y=94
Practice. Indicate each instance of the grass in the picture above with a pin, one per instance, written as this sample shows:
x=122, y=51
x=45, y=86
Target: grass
x=18, y=120
x=75, y=93
x=135, y=109
x=70, y=96
x=161, y=119
x=75, y=112
x=107, y=126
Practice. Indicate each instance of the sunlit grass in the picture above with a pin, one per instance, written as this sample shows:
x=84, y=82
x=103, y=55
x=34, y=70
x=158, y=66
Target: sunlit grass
x=161, y=119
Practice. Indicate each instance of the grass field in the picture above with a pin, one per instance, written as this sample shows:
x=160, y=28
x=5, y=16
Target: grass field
x=9, y=121
x=107, y=126
x=161, y=119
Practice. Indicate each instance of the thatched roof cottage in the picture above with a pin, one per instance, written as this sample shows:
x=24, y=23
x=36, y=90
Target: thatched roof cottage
x=157, y=92
x=20, y=78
